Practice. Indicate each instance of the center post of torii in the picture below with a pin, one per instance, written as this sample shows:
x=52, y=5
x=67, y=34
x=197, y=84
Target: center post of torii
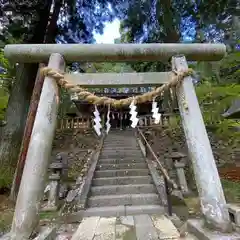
x=213, y=203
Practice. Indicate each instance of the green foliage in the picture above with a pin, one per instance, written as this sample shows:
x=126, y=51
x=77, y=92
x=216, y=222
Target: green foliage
x=230, y=68
x=218, y=88
x=107, y=67
x=6, y=81
x=214, y=101
x=3, y=103
x=231, y=190
x=6, y=176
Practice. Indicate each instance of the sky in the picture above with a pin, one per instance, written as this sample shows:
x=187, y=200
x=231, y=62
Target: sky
x=111, y=31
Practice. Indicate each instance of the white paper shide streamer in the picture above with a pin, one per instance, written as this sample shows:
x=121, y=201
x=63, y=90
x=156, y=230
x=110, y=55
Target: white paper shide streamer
x=108, y=125
x=133, y=114
x=156, y=116
x=97, y=120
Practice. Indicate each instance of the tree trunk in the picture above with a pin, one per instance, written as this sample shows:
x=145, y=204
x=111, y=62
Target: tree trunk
x=16, y=115
x=172, y=33
x=49, y=38
x=19, y=101
x=52, y=29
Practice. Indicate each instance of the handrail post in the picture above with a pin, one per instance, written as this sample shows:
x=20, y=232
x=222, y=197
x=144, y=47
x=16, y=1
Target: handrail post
x=168, y=193
x=167, y=180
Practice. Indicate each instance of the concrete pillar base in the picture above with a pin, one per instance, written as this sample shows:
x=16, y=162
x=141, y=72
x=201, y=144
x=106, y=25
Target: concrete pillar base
x=198, y=228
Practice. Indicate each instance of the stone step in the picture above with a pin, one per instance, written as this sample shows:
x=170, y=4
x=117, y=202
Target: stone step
x=122, y=148
x=122, y=210
x=121, y=151
x=119, y=158
x=120, y=161
x=114, y=211
x=121, y=155
x=123, y=142
x=159, y=227
x=111, y=165
x=121, y=180
x=125, y=139
x=121, y=173
x=123, y=189
x=120, y=145
x=117, y=151
x=124, y=199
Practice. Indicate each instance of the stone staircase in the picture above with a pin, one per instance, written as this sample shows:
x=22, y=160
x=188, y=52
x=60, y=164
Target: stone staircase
x=122, y=184
x=123, y=202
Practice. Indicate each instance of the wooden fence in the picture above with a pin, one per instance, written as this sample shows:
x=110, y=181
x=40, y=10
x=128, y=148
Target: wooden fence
x=86, y=122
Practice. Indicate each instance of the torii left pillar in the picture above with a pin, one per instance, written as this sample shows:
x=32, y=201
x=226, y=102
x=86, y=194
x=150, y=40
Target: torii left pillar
x=26, y=217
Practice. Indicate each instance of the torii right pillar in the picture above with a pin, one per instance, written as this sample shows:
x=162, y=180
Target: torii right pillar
x=212, y=199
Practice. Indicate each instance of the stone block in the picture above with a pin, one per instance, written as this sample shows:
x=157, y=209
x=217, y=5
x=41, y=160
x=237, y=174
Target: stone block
x=179, y=164
x=56, y=165
x=197, y=228
x=234, y=211
x=54, y=176
x=7, y=236
x=48, y=233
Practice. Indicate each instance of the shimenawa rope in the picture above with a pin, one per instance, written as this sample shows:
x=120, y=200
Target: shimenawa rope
x=97, y=100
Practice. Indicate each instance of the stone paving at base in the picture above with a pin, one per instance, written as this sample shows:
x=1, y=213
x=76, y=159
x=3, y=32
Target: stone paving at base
x=139, y=227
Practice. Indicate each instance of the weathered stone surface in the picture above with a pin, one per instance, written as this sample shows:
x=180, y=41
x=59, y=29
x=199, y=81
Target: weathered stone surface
x=54, y=176
x=86, y=229
x=235, y=211
x=122, y=180
x=211, y=194
x=108, y=164
x=117, y=52
x=6, y=237
x=197, y=228
x=145, y=228
x=181, y=177
x=71, y=195
x=105, y=229
x=127, y=220
x=63, y=190
x=124, y=199
x=121, y=173
x=123, y=189
x=124, y=232
x=56, y=165
x=48, y=233
x=25, y=218
x=165, y=227
x=144, y=209
x=159, y=183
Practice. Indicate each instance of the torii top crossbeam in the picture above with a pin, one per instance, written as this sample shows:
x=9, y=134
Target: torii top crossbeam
x=114, y=52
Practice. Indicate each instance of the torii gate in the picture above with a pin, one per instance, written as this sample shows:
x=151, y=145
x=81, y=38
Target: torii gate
x=211, y=195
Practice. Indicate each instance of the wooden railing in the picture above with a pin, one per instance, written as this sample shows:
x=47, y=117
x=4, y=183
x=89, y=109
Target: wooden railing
x=169, y=183
x=148, y=121
x=74, y=123
x=85, y=122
